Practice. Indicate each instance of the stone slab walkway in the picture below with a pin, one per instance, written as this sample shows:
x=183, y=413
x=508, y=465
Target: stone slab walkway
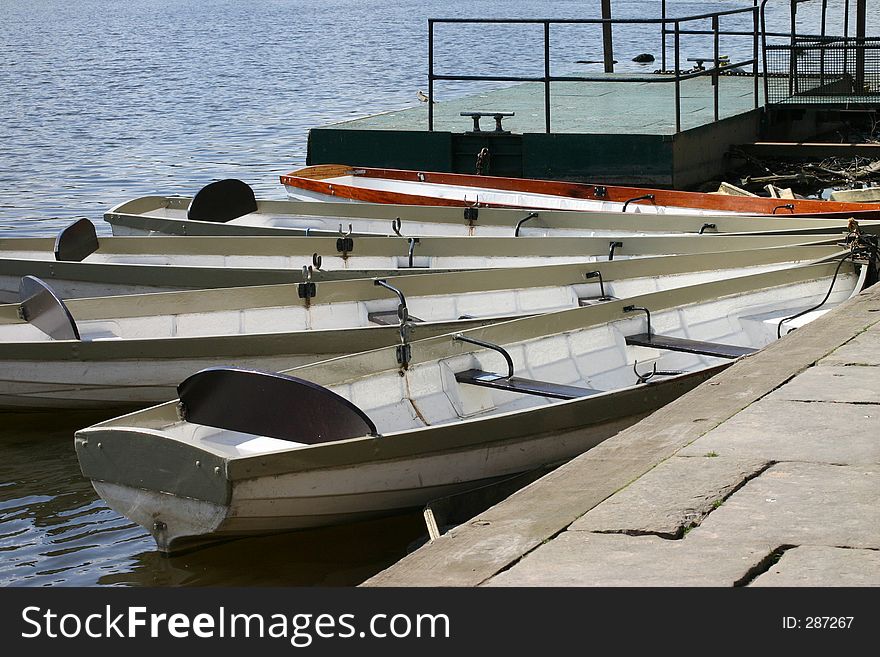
x=767, y=475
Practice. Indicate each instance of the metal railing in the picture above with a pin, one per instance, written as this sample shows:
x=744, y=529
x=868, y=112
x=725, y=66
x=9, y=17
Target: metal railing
x=823, y=72
x=818, y=69
x=677, y=30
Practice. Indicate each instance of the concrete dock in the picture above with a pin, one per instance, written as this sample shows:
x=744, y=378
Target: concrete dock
x=766, y=475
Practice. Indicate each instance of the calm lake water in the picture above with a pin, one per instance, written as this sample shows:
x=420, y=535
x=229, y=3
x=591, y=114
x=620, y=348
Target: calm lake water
x=106, y=101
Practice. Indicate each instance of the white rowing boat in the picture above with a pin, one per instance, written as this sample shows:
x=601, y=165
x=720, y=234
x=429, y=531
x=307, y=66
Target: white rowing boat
x=80, y=264
x=128, y=351
x=244, y=453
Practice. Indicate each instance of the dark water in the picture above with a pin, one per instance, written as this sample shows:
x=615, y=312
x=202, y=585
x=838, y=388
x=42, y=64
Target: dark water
x=54, y=530
x=104, y=101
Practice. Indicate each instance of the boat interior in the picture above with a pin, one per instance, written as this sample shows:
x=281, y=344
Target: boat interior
x=552, y=359
x=443, y=297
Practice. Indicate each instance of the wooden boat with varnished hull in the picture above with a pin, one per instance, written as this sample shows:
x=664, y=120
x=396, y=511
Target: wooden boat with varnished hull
x=341, y=182
x=229, y=207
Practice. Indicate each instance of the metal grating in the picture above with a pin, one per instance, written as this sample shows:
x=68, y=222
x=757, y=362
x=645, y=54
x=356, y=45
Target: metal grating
x=829, y=71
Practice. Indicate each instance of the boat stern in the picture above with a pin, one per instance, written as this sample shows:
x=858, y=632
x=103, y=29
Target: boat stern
x=176, y=491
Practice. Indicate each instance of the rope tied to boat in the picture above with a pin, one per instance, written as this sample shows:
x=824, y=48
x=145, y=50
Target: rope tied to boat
x=483, y=158
x=862, y=250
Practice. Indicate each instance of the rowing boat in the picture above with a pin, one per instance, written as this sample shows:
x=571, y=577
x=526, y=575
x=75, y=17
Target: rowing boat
x=229, y=207
x=347, y=183
x=80, y=264
x=128, y=351
x=244, y=452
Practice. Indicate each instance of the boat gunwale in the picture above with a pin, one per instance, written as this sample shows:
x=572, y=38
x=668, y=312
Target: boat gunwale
x=314, y=178
x=393, y=246
x=425, y=283
x=136, y=213
x=344, y=369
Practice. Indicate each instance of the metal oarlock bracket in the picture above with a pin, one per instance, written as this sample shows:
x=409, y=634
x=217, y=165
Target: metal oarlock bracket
x=646, y=197
x=787, y=206
x=470, y=214
x=307, y=289
x=402, y=311
x=488, y=345
x=706, y=227
x=644, y=378
x=594, y=274
x=611, y=246
x=317, y=261
x=403, y=351
x=630, y=309
x=530, y=215
x=345, y=243
x=412, y=246
x=395, y=226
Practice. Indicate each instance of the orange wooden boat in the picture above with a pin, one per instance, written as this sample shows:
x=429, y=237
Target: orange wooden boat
x=362, y=184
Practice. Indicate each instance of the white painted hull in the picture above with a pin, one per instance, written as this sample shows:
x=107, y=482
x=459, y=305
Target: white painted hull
x=131, y=357
x=326, y=497
x=68, y=288
x=155, y=215
x=71, y=384
x=435, y=428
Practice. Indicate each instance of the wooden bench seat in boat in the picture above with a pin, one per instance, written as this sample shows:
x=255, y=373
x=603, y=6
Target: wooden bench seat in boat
x=525, y=386
x=671, y=343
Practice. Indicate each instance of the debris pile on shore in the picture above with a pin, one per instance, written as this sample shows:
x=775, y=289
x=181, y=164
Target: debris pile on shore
x=809, y=178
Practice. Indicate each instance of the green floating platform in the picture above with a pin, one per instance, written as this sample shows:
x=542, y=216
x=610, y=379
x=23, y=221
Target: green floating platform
x=606, y=132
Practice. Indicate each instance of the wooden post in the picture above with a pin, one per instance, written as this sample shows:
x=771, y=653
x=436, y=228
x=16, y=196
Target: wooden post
x=607, y=41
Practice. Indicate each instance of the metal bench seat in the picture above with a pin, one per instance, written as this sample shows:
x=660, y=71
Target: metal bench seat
x=671, y=343
x=524, y=386
x=389, y=318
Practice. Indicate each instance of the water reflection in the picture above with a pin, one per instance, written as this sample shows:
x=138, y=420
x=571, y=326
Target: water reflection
x=333, y=556
x=55, y=530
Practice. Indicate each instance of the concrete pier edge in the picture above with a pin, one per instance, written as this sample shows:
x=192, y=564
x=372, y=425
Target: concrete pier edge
x=498, y=539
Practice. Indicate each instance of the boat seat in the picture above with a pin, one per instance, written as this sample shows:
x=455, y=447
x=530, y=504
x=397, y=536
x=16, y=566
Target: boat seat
x=525, y=386
x=688, y=346
x=592, y=301
x=389, y=318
